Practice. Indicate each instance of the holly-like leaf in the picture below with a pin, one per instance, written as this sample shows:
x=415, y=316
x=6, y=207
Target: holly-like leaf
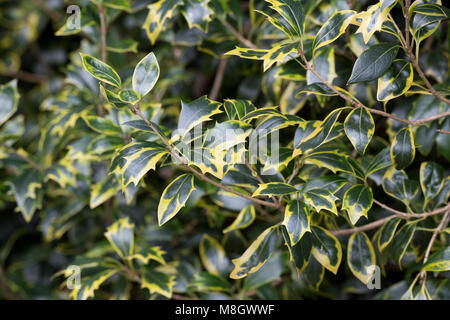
x=91, y=283
x=439, y=261
x=213, y=256
x=321, y=199
x=196, y=112
x=129, y=96
x=296, y=220
x=387, y=233
x=373, y=18
x=9, y=99
x=326, y=249
x=395, y=81
x=402, y=240
x=113, y=98
x=101, y=125
x=237, y=109
x=158, y=282
x=335, y=161
x=101, y=70
x=197, y=14
x=244, y=219
x=121, y=237
x=431, y=179
x=361, y=257
x=118, y=4
x=256, y=255
x=274, y=188
x=333, y=28
x=396, y=184
x=174, y=197
x=301, y=252
x=324, y=62
x=373, y=62
x=145, y=74
x=357, y=202
x=403, y=149
x=207, y=282
x=359, y=128
x=157, y=18
x=147, y=253
x=279, y=52
x=293, y=16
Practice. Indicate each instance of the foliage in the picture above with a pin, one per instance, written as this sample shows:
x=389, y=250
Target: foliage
x=126, y=149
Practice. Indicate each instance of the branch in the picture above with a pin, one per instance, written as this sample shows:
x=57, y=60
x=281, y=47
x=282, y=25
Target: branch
x=238, y=36
x=103, y=31
x=218, y=79
x=199, y=175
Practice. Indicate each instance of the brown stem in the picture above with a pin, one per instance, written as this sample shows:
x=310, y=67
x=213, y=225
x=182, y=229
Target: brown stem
x=238, y=36
x=218, y=79
x=103, y=30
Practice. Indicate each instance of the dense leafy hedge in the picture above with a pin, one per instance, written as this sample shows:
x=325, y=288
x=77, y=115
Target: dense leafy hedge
x=126, y=159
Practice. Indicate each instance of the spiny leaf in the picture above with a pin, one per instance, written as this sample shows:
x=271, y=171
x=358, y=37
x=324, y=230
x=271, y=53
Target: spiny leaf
x=196, y=112
x=274, y=188
x=373, y=18
x=321, y=199
x=296, y=220
x=121, y=237
x=157, y=18
x=158, y=282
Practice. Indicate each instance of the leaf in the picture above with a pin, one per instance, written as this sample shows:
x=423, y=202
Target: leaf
x=174, y=197
x=145, y=74
x=123, y=46
x=113, y=98
x=403, y=149
x=248, y=53
x=279, y=52
x=101, y=125
x=213, y=256
x=335, y=161
x=256, y=255
x=296, y=220
x=373, y=62
x=324, y=62
x=157, y=18
x=387, y=233
x=148, y=253
x=402, y=240
x=196, y=112
x=226, y=135
x=313, y=274
x=100, y=70
x=331, y=183
x=326, y=249
x=135, y=159
x=129, y=96
x=318, y=135
x=118, y=4
x=333, y=28
x=90, y=284
x=359, y=128
x=396, y=184
x=206, y=282
x=357, y=202
x=9, y=99
x=395, y=81
x=244, y=219
x=274, y=188
x=293, y=16
x=321, y=199
x=361, y=256
x=439, y=261
x=431, y=179
x=262, y=112
x=27, y=190
x=158, y=282
x=299, y=253
x=121, y=237
x=237, y=108
x=373, y=18
x=197, y=14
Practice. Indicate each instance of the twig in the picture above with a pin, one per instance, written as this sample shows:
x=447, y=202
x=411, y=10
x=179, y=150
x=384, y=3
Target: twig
x=218, y=79
x=238, y=36
x=103, y=30
x=260, y=180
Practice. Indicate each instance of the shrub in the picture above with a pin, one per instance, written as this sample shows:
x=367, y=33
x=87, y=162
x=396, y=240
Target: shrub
x=147, y=153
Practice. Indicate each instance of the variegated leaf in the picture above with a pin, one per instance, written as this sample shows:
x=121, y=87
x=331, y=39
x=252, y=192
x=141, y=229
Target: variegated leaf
x=357, y=202
x=361, y=257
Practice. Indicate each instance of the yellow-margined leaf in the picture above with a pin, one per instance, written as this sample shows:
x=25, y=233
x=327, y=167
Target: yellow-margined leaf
x=296, y=220
x=326, y=249
x=244, y=219
x=361, y=256
x=157, y=18
x=274, y=188
x=333, y=28
x=158, y=282
x=357, y=202
x=213, y=256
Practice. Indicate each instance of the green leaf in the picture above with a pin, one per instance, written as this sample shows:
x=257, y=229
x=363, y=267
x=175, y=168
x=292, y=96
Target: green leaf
x=123, y=46
x=373, y=62
x=174, y=197
x=113, y=98
x=357, y=202
x=402, y=240
x=361, y=256
x=9, y=99
x=237, y=108
x=326, y=249
x=262, y=112
x=396, y=184
x=157, y=18
x=244, y=219
x=213, y=256
x=335, y=161
x=293, y=16
x=296, y=220
x=196, y=112
x=279, y=52
x=91, y=283
x=403, y=149
x=324, y=62
x=431, y=179
x=27, y=190
x=118, y=4
x=256, y=255
x=147, y=253
x=197, y=14
x=331, y=183
x=387, y=233
x=274, y=188
x=129, y=96
x=206, y=282
x=145, y=74
x=100, y=70
x=158, y=282
x=121, y=237
x=321, y=199
x=225, y=135
x=333, y=28
x=439, y=261
x=101, y=125
x=248, y=53
x=301, y=252
x=373, y=18
x=359, y=128
x=395, y=81
x=318, y=135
